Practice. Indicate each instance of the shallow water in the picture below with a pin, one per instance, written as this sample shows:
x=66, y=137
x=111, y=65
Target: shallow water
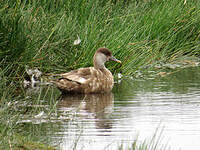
x=135, y=109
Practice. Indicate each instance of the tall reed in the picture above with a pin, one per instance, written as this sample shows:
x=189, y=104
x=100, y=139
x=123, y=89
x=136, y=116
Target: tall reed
x=41, y=34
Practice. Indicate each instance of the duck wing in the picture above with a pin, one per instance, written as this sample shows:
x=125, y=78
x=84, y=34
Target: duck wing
x=74, y=81
x=79, y=76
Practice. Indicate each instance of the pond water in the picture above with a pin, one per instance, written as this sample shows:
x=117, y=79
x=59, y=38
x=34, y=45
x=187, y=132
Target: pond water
x=136, y=109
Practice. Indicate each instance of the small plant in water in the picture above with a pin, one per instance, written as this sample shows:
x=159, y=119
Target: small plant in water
x=154, y=143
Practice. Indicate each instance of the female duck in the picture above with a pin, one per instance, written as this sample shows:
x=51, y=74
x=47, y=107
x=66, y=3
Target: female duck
x=97, y=79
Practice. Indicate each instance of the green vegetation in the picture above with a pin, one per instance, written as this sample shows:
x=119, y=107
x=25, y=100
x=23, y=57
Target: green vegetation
x=153, y=143
x=41, y=34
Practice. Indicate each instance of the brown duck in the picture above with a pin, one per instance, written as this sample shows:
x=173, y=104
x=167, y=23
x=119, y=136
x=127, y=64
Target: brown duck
x=97, y=79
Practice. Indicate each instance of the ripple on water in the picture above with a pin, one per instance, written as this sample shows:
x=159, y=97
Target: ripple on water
x=136, y=108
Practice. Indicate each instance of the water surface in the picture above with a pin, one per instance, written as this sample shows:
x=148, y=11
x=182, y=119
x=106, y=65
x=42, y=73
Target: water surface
x=135, y=109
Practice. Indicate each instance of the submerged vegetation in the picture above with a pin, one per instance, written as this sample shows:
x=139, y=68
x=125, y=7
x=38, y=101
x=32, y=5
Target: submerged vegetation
x=42, y=33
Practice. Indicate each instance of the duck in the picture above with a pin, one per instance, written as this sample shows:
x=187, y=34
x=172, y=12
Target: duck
x=96, y=79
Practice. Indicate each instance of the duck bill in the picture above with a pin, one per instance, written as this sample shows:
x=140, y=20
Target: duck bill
x=114, y=59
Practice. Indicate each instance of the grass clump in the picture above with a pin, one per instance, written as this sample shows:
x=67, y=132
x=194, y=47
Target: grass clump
x=41, y=34
x=153, y=143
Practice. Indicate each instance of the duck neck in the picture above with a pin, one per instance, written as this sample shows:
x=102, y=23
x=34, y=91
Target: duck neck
x=98, y=62
x=99, y=65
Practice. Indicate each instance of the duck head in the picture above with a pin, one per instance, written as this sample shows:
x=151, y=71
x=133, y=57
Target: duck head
x=101, y=56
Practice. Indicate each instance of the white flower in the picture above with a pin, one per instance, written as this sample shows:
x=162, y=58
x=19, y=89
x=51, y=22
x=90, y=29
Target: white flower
x=77, y=41
x=119, y=75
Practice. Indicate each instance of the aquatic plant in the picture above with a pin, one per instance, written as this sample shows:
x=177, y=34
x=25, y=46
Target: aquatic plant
x=153, y=143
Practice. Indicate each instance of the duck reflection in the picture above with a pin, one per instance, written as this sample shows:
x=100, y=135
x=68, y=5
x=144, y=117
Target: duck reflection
x=97, y=107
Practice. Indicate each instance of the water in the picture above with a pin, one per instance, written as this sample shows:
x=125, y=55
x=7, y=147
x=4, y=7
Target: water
x=135, y=110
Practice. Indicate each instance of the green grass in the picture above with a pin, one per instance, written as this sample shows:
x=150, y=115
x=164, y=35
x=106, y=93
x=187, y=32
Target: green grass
x=153, y=143
x=41, y=34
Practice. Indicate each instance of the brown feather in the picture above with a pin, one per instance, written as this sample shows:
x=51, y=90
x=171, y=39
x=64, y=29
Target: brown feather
x=87, y=80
